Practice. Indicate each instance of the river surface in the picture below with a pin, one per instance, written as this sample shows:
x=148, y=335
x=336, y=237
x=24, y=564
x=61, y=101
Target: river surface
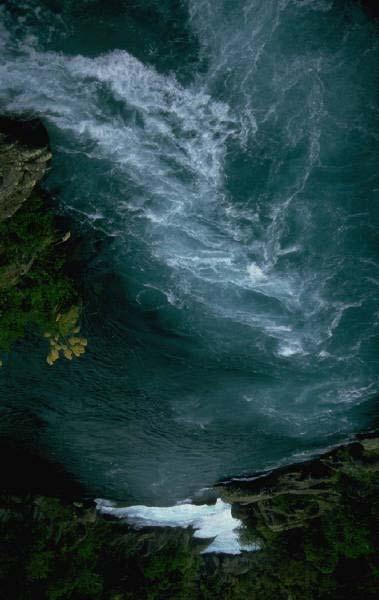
x=226, y=152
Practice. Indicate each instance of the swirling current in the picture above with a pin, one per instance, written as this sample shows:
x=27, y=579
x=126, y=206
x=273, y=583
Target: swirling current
x=226, y=154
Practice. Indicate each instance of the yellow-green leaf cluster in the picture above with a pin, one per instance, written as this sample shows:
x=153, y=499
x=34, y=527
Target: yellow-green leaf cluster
x=62, y=341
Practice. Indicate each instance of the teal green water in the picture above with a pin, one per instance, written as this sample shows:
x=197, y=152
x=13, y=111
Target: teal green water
x=226, y=151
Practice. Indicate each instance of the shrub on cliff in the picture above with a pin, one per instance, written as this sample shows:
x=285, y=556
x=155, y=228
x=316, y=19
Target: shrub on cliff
x=33, y=287
x=35, y=292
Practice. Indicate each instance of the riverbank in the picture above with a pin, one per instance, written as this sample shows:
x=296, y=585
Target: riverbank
x=316, y=523
x=37, y=295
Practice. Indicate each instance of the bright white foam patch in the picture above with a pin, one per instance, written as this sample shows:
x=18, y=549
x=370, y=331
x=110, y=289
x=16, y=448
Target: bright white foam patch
x=214, y=521
x=255, y=273
x=290, y=348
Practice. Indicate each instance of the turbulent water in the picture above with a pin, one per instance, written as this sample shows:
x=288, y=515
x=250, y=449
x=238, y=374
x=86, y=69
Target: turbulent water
x=210, y=522
x=226, y=151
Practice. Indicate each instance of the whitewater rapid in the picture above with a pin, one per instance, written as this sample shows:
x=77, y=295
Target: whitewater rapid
x=238, y=205
x=209, y=522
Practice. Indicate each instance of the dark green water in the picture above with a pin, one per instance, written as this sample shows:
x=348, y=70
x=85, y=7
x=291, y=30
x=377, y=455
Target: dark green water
x=227, y=153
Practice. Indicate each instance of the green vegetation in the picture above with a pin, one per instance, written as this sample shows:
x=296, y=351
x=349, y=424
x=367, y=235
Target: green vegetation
x=35, y=293
x=52, y=550
x=318, y=530
x=32, y=286
x=58, y=551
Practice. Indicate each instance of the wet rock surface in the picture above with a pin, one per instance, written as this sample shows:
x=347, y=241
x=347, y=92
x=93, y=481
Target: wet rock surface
x=292, y=496
x=24, y=156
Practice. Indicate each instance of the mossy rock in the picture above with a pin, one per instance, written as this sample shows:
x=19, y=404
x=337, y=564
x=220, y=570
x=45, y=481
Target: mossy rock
x=34, y=288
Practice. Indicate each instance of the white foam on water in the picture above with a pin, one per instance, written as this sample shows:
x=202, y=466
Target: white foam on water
x=290, y=348
x=163, y=149
x=209, y=521
x=255, y=273
x=170, y=143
